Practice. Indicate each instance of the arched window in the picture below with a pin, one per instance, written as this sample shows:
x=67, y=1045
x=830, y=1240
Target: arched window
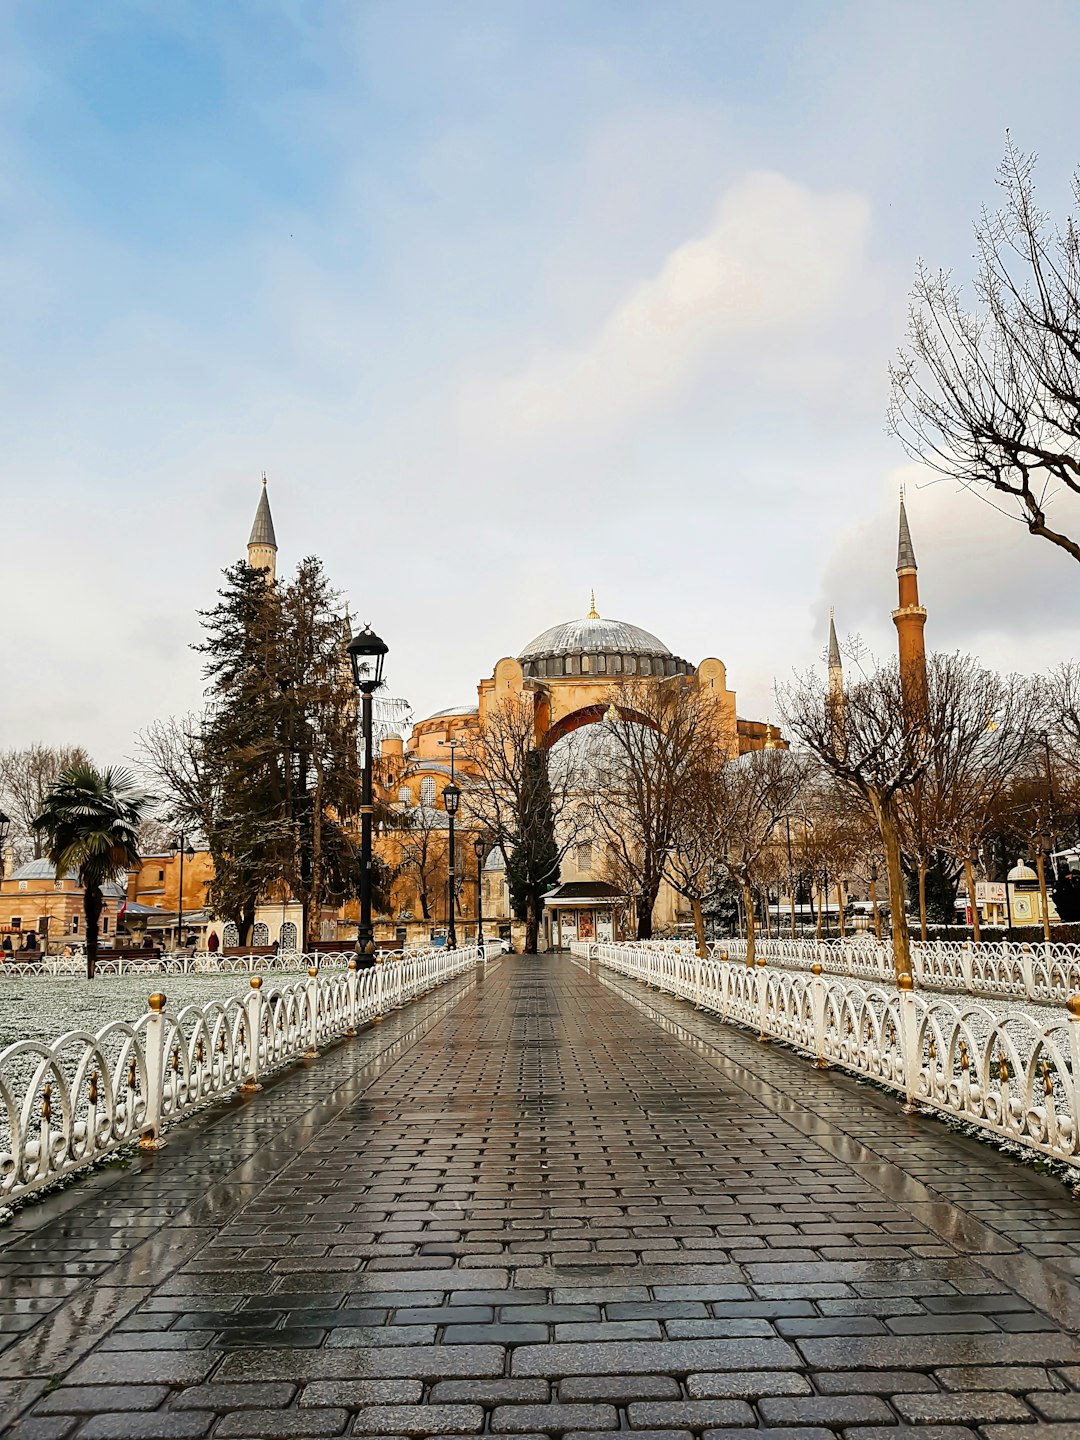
x=260, y=933
x=404, y=796
x=427, y=790
x=287, y=935
x=584, y=855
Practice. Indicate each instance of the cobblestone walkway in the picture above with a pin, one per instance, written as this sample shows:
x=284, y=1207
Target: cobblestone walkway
x=549, y=1204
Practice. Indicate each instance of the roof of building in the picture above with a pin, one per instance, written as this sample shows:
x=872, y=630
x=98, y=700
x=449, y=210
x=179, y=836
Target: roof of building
x=905, y=550
x=452, y=710
x=46, y=870
x=583, y=891
x=262, y=529
x=594, y=635
x=1021, y=871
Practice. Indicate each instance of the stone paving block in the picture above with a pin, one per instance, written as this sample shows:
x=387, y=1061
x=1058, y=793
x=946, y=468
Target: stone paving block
x=912, y=1432
x=421, y=1362
x=552, y=1419
x=355, y=1394
x=442, y=1315
x=688, y=1414
x=873, y=1382
x=651, y=1357
x=1016, y=1378
x=888, y=1352
x=552, y=1314
x=492, y=1392
x=745, y=1384
x=1055, y=1404
x=494, y=1334
x=714, y=1329
x=618, y=1389
x=92, y=1399
x=281, y=1424
x=955, y=1407
x=796, y=1432
x=151, y=1368
x=52, y=1427
x=421, y=1419
x=835, y=1411
x=373, y=1335
x=148, y=1425
x=609, y=1330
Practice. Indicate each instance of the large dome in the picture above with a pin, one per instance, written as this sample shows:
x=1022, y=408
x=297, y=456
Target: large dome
x=592, y=636
x=595, y=646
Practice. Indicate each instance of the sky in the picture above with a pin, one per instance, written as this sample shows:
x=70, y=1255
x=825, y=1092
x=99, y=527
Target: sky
x=510, y=301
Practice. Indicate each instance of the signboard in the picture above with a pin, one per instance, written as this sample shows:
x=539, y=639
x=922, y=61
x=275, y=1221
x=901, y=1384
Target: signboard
x=990, y=892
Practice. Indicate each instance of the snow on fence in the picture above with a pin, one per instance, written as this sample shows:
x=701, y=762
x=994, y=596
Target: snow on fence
x=1013, y=1075
x=67, y=1104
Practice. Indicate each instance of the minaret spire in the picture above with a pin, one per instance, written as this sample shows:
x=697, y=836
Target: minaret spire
x=836, y=667
x=910, y=618
x=262, y=542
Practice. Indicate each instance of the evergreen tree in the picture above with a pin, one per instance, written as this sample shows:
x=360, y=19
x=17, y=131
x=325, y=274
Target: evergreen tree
x=533, y=864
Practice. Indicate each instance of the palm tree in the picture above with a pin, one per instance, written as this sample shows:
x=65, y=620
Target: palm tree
x=90, y=820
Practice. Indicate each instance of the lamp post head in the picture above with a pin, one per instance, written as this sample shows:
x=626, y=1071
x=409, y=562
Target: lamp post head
x=367, y=654
x=5, y=821
x=479, y=848
x=452, y=799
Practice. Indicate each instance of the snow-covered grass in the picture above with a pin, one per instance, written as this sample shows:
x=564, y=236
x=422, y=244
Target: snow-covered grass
x=44, y=1007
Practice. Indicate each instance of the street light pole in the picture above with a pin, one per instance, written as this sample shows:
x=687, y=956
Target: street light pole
x=478, y=850
x=182, y=846
x=5, y=821
x=451, y=800
x=367, y=654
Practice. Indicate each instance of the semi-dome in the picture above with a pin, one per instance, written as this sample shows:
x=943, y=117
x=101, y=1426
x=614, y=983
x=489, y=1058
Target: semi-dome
x=598, y=646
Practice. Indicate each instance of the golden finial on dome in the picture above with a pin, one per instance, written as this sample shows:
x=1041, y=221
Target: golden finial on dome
x=593, y=613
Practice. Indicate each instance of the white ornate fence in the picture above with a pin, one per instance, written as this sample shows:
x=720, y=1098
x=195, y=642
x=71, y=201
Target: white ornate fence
x=1044, y=974
x=1013, y=1075
x=113, y=962
x=67, y=1104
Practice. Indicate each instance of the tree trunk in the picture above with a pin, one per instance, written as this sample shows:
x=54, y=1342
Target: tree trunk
x=922, y=899
x=840, y=906
x=820, y=907
x=532, y=924
x=888, y=825
x=312, y=906
x=247, y=920
x=877, y=912
x=644, y=918
x=748, y=906
x=699, y=927
x=92, y=911
x=765, y=908
x=969, y=877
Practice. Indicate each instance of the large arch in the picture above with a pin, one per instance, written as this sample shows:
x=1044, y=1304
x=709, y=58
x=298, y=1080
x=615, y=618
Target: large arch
x=585, y=715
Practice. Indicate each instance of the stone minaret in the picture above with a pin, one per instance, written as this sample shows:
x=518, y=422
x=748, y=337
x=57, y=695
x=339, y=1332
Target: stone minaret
x=836, y=668
x=262, y=543
x=910, y=617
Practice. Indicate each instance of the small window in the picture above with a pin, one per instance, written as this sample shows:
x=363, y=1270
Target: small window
x=16, y=922
x=616, y=664
x=601, y=664
x=404, y=795
x=105, y=924
x=58, y=884
x=586, y=664
x=584, y=855
x=160, y=876
x=22, y=884
x=74, y=924
x=427, y=791
x=630, y=665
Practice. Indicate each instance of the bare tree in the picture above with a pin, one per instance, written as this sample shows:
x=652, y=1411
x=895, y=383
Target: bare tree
x=754, y=795
x=26, y=777
x=656, y=737
x=526, y=800
x=876, y=753
x=422, y=837
x=990, y=396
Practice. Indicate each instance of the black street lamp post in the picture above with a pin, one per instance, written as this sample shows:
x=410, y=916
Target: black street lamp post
x=184, y=849
x=4, y=823
x=451, y=799
x=367, y=654
x=478, y=850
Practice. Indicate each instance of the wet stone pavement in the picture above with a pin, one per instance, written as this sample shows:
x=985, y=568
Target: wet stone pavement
x=548, y=1203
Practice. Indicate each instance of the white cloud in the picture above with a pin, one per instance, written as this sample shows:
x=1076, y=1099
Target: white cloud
x=776, y=259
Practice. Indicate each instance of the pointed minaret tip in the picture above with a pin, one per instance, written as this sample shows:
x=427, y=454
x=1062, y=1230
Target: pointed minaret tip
x=834, y=645
x=905, y=550
x=593, y=613
x=262, y=529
